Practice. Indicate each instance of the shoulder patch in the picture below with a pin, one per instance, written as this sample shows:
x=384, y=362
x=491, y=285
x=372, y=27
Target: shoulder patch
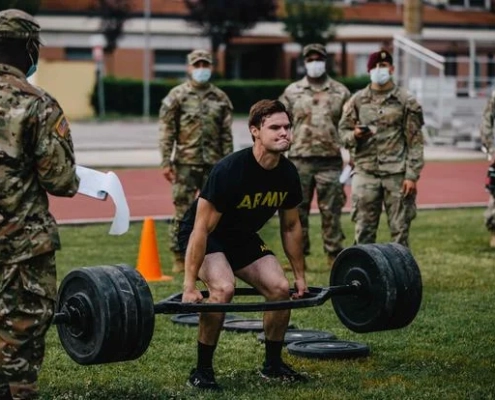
x=62, y=126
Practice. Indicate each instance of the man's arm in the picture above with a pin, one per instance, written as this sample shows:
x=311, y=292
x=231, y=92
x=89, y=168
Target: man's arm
x=486, y=128
x=168, y=129
x=292, y=238
x=207, y=218
x=414, y=137
x=347, y=124
x=54, y=150
x=226, y=138
x=285, y=99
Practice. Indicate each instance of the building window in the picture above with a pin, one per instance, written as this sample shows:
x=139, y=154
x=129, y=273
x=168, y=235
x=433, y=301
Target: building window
x=170, y=64
x=469, y=3
x=78, y=53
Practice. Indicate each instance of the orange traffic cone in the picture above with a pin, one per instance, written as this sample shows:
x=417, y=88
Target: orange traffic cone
x=148, y=263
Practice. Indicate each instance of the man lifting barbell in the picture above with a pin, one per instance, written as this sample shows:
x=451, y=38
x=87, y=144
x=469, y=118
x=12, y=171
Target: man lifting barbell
x=106, y=314
x=242, y=193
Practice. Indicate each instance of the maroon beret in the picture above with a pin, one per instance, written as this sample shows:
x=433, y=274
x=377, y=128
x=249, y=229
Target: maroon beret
x=378, y=57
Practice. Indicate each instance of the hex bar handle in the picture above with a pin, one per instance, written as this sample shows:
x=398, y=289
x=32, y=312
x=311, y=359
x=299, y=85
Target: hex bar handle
x=314, y=297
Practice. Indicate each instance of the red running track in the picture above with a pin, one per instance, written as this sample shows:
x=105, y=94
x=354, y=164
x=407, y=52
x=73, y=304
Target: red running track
x=442, y=184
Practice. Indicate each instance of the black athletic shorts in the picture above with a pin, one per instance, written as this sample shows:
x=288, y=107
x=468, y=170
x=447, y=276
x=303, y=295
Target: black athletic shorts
x=238, y=251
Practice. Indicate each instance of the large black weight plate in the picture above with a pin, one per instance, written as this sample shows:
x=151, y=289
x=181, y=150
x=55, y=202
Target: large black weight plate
x=372, y=306
x=295, y=335
x=408, y=283
x=93, y=335
x=325, y=349
x=246, y=325
x=145, y=318
x=192, y=319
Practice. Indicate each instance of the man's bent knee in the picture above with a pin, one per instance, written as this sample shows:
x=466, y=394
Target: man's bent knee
x=279, y=291
x=222, y=293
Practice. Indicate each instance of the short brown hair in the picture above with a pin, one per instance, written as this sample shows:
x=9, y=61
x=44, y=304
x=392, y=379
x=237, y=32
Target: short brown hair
x=264, y=108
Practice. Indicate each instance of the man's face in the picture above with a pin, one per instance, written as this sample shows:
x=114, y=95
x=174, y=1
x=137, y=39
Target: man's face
x=313, y=56
x=199, y=64
x=275, y=133
x=387, y=65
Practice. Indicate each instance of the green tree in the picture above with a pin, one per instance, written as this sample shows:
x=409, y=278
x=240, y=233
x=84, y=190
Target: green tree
x=29, y=6
x=311, y=21
x=221, y=20
x=113, y=13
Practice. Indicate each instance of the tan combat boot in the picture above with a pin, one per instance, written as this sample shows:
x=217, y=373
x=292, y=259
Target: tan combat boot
x=178, y=263
x=492, y=240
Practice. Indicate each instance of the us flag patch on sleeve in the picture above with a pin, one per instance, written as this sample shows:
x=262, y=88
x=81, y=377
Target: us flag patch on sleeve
x=62, y=126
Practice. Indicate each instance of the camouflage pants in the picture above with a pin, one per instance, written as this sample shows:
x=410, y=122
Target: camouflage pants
x=369, y=193
x=27, y=300
x=189, y=179
x=322, y=174
x=490, y=215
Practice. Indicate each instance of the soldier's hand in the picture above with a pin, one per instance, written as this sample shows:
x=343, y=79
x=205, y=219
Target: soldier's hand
x=408, y=187
x=362, y=132
x=169, y=174
x=191, y=295
x=300, y=288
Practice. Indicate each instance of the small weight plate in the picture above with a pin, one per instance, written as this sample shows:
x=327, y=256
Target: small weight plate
x=192, y=319
x=325, y=349
x=246, y=325
x=295, y=335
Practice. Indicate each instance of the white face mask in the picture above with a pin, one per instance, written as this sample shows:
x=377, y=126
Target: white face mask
x=201, y=75
x=380, y=75
x=315, y=69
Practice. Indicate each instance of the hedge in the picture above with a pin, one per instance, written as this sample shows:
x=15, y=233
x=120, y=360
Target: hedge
x=125, y=96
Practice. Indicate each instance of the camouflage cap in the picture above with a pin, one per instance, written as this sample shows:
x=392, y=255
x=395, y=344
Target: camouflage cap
x=199, y=55
x=18, y=24
x=316, y=48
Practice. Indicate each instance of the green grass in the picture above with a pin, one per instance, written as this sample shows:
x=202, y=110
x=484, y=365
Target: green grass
x=448, y=352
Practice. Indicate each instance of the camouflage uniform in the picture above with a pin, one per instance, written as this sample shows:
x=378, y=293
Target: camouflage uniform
x=487, y=139
x=382, y=162
x=37, y=157
x=315, y=151
x=196, y=128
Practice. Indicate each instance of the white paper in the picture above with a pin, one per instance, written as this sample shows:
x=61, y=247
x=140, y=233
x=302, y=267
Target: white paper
x=345, y=176
x=98, y=185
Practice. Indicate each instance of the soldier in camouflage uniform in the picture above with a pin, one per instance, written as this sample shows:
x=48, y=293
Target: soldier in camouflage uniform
x=316, y=102
x=488, y=143
x=195, y=133
x=36, y=157
x=381, y=126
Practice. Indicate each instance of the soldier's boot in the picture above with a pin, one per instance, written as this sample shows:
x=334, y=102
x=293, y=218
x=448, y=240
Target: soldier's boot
x=178, y=263
x=492, y=240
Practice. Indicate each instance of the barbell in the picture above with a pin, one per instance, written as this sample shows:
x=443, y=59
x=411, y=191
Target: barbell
x=106, y=314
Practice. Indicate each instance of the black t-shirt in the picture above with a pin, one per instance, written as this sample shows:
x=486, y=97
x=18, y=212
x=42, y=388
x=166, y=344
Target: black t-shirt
x=246, y=194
